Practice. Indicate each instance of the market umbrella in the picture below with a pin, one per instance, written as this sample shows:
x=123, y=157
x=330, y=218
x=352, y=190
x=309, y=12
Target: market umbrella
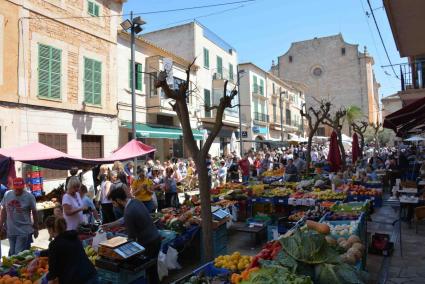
x=414, y=139
x=334, y=155
x=355, y=150
x=132, y=149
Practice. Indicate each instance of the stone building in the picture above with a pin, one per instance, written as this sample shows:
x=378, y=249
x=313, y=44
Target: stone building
x=333, y=69
x=270, y=107
x=58, y=76
x=217, y=61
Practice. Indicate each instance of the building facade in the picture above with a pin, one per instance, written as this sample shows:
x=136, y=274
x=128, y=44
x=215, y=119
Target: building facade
x=405, y=18
x=157, y=123
x=57, y=70
x=270, y=108
x=335, y=70
x=391, y=104
x=217, y=62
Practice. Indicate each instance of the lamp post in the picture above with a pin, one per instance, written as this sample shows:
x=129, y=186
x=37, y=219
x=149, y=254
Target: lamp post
x=135, y=27
x=240, y=113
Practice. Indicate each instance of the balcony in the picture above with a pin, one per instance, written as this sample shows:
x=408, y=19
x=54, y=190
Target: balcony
x=412, y=77
x=258, y=92
x=262, y=117
x=224, y=74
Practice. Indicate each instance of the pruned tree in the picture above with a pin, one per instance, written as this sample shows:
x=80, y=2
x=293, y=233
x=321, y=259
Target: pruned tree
x=314, y=119
x=199, y=154
x=376, y=129
x=360, y=128
x=336, y=121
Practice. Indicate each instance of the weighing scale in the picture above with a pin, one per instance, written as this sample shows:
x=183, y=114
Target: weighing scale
x=119, y=248
x=220, y=214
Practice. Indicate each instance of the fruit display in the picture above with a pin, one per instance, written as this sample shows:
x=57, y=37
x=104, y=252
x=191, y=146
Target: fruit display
x=258, y=189
x=7, y=279
x=35, y=270
x=354, y=189
x=233, y=262
x=91, y=254
x=281, y=191
x=337, y=216
x=269, y=252
x=273, y=173
x=352, y=247
x=311, y=214
x=21, y=258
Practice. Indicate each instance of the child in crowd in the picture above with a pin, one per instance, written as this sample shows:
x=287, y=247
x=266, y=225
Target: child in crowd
x=91, y=214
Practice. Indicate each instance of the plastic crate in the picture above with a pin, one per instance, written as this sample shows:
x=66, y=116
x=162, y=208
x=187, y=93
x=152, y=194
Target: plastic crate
x=280, y=200
x=122, y=277
x=35, y=181
x=35, y=174
x=350, y=207
x=36, y=187
x=210, y=270
x=262, y=200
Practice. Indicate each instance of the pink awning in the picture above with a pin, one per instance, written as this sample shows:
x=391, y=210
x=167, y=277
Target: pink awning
x=132, y=149
x=44, y=156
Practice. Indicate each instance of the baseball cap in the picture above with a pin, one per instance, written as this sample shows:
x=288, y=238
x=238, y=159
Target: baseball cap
x=18, y=183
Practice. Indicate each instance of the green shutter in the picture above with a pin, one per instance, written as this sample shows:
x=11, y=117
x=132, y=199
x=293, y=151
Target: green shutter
x=90, y=7
x=206, y=58
x=230, y=71
x=262, y=87
x=219, y=65
x=139, y=77
x=49, y=71
x=207, y=102
x=255, y=87
x=96, y=10
x=92, y=81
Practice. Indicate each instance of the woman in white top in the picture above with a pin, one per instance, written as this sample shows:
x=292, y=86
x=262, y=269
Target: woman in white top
x=107, y=208
x=72, y=205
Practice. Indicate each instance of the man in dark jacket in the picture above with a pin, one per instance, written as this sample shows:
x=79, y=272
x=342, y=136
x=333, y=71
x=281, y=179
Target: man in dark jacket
x=139, y=225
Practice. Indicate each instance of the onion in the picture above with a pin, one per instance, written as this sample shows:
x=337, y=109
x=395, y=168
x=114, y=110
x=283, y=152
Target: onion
x=355, y=252
x=358, y=246
x=354, y=239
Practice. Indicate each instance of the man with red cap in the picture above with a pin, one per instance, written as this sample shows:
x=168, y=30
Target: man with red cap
x=18, y=205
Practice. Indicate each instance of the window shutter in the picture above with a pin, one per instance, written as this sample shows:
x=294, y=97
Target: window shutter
x=255, y=87
x=207, y=102
x=139, y=74
x=55, y=73
x=90, y=7
x=230, y=71
x=88, y=84
x=262, y=87
x=206, y=58
x=97, y=82
x=219, y=65
x=43, y=70
x=96, y=9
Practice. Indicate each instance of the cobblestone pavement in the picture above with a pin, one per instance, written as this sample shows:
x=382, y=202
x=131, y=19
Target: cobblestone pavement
x=398, y=269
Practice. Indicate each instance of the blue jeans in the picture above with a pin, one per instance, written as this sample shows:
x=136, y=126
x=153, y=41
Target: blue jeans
x=19, y=243
x=245, y=178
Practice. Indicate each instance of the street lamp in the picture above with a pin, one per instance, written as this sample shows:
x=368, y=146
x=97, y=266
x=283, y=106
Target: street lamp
x=135, y=27
x=239, y=72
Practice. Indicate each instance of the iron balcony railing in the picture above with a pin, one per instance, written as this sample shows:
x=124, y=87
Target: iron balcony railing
x=261, y=116
x=412, y=75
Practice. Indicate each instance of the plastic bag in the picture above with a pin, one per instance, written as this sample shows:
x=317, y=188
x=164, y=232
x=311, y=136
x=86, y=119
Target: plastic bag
x=99, y=238
x=171, y=258
x=162, y=265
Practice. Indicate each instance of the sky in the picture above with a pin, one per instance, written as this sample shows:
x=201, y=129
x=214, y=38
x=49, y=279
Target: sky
x=262, y=30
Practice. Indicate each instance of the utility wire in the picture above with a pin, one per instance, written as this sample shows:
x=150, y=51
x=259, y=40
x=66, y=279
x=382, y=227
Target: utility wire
x=149, y=12
x=382, y=40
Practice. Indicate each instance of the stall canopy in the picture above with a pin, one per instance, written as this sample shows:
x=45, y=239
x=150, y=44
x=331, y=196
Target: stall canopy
x=132, y=149
x=44, y=156
x=410, y=118
x=155, y=131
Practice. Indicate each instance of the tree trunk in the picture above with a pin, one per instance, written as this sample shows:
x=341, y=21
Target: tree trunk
x=204, y=190
x=342, y=150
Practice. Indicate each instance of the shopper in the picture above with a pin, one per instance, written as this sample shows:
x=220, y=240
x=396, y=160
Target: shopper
x=234, y=170
x=119, y=168
x=299, y=163
x=68, y=262
x=170, y=189
x=17, y=207
x=73, y=205
x=86, y=178
x=139, y=226
x=142, y=189
x=222, y=173
x=244, y=167
x=90, y=215
x=73, y=172
x=107, y=209
x=291, y=172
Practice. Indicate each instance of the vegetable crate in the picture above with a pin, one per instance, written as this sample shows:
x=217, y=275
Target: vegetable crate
x=122, y=277
x=219, y=241
x=210, y=270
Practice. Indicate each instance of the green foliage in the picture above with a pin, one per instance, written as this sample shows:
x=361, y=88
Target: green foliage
x=353, y=113
x=276, y=275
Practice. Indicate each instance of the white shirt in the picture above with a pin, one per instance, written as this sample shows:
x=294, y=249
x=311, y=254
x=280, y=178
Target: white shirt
x=87, y=180
x=72, y=221
x=103, y=194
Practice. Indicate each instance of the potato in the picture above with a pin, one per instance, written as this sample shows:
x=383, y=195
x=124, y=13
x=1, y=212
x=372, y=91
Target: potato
x=355, y=252
x=345, y=245
x=360, y=247
x=340, y=240
x=331, y=240
x=354, y=239
x=348, y=258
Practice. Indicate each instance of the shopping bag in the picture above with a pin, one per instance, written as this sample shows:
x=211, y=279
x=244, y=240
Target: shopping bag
x=162, y=265
x=171, y=258
x=99, y=238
